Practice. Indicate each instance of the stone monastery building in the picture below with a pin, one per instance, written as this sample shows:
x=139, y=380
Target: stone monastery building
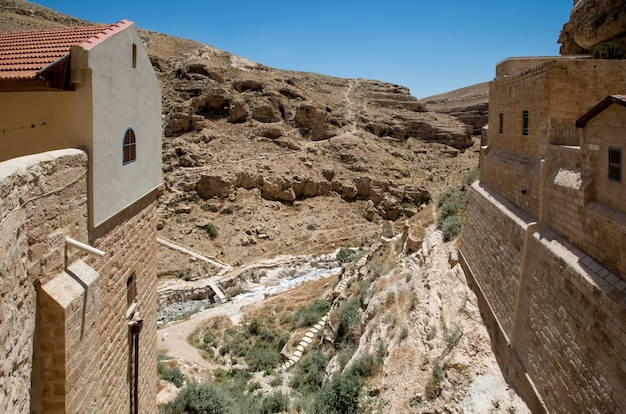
x=80, y=167
x=544, y=241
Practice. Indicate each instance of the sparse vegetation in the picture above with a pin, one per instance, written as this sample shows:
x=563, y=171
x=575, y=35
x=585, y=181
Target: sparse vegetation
x=452, y=336
x=310, y=315
x=610, y=50
x=308, y=375
x=198, y=398
x=312, y=226
x=452, y=204
x=345, y=255
x=211, y=230
x=169, y=373
x=348, y=327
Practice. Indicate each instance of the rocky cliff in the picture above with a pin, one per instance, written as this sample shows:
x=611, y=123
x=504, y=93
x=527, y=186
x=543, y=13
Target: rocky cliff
x=596, y=27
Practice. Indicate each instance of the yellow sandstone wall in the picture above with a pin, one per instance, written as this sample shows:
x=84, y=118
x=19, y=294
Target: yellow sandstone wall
x=64, y=335
x=129, y=239
x=557, y=316
x=43, y=198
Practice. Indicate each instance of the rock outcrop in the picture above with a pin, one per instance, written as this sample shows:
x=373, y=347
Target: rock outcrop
x=596, y=27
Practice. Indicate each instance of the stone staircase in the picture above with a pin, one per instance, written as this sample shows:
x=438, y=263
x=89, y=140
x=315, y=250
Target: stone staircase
x=307, y=340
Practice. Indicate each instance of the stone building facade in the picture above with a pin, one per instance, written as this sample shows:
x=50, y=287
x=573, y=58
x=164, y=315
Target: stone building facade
x=80, y=169
x=544, y=240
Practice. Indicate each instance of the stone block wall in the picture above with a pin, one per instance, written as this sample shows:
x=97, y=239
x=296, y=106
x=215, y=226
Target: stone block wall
x=562, y=326
x=129, y=240
x=575, y=346
x=495, y=251
x=43, y=198
x=514, y=175
x=64, y=336
x=65, y=374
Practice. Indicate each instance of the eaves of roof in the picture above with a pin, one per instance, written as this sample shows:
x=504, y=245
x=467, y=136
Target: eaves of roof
x=599, y=108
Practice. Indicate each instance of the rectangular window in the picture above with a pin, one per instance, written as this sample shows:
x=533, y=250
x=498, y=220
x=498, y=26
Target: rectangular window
x=134, y=56
x=501, y=126
x=131, y=290
x=615, y=164
x=525, y=123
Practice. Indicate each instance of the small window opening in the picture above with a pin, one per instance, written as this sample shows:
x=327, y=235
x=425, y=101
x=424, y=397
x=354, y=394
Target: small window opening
x=129, y=147
x=501, y=126
x=525, y=123
x=131, y=291
x=615, y=164
x=134, y=56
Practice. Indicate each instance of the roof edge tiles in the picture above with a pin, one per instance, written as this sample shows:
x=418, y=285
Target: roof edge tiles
x=42, y=49
x=106, y=33
x=599, y=108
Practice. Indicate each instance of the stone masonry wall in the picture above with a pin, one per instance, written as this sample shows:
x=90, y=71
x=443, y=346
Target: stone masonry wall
x=42, y=199
x=495, y=251
x=65, y=340
x=576, y=330
x=567, y=338
x=67, y=320
x=514, y=175
x=130, y=244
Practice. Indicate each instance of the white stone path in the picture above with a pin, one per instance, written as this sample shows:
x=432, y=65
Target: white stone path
x=212, y=281
x=308, y=337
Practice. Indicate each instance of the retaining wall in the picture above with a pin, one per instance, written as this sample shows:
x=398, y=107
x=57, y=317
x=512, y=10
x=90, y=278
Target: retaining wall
x=557, y=317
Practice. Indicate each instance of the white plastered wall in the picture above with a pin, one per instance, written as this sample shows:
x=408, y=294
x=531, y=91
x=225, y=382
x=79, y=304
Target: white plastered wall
x=123, y=97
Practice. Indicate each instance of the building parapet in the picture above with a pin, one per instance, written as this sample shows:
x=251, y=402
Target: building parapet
x=512, y=65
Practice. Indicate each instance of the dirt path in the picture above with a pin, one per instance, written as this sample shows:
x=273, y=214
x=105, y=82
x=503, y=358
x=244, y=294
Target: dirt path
x=173, y=336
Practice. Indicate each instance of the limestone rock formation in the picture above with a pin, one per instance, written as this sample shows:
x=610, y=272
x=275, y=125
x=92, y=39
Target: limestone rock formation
x=595, y=27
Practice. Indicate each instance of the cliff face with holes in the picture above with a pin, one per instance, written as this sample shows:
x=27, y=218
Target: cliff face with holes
x=65, y=332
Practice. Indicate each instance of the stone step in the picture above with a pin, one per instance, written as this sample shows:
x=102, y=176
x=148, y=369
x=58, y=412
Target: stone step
x=306, y=341
x=309, y=335
x=300, y=348
x=297, y=354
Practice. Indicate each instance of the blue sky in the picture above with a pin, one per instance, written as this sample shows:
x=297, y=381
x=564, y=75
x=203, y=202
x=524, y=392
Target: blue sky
x=429, y=46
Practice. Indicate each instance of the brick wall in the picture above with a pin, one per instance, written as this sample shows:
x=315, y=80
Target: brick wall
x=562, y=314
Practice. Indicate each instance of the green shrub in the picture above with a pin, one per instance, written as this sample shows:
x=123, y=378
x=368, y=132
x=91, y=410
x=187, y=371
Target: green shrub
x=453, y=336
x=611, y=51
x=471, y=176
x=348, y=322
x=345, y=255
x=379, y=268
x=311, y=226
x=277, y=381
x=170, y=374
x=199, y=399
x=259, y=359
x=365, y=366
x=211, y=230
x=340, y=396
x=309, y=374
x=275, y=403
x=311, y=314
x=451, y=227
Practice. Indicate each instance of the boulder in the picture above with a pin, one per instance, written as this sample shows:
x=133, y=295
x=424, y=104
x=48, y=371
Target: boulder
x=314, y=120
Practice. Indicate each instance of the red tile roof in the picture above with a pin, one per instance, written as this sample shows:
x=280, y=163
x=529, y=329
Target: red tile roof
x=23, y=55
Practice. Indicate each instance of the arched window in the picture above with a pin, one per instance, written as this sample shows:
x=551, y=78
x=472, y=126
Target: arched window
x=129, y=148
